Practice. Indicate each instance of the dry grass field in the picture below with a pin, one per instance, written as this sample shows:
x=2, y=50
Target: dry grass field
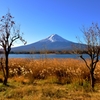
x=49, y=79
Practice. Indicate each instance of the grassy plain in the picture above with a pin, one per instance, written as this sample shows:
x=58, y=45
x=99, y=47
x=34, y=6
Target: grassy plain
x=49, y=79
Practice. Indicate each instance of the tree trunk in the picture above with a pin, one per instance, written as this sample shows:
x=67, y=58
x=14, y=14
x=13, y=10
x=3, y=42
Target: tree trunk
x=6, y=69
x=92, y=80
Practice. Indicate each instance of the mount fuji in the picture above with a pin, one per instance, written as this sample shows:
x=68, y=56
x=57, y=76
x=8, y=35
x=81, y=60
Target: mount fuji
x=53, y=42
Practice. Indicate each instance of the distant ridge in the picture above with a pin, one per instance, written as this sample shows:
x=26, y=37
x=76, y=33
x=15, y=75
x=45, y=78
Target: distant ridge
x=53, y=42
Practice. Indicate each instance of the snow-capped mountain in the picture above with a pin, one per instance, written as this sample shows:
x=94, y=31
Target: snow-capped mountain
x=54, y=38
x=53, y=42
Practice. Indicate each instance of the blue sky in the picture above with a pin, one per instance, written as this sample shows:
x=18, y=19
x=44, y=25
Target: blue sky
x=41, y=18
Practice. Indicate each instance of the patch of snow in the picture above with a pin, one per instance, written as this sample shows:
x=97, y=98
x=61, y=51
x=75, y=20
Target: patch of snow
x=54, y=38
x=51, y=38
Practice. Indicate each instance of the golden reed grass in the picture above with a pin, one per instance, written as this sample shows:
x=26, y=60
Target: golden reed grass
x=65, y=70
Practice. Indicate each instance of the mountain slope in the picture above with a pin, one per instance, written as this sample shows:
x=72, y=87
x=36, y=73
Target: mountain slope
x=53, y=42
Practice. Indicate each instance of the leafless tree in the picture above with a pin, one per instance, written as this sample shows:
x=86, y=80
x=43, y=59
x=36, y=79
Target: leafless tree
x=9, y=33
x=92, y=40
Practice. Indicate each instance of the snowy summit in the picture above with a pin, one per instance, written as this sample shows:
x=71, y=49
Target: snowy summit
x=51, y=38
x=55, y=38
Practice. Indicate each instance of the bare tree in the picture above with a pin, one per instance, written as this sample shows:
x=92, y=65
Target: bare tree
x=9, y=33
x=92, y=39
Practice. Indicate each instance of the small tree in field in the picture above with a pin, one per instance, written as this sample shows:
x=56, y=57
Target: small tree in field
x=9, y=33
x=92, y=39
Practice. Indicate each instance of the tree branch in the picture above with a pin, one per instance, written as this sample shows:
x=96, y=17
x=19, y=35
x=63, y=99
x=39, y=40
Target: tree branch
x=85, y=61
